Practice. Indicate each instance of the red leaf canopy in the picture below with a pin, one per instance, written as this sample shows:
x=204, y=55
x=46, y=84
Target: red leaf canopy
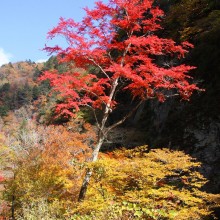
x=119, y=38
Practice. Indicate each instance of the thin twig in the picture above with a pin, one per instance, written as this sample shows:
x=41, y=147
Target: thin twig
x=124, y=118
x=98, y=125
x=103, y=71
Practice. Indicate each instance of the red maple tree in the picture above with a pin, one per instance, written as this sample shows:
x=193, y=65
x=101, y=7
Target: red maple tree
x=119, y=38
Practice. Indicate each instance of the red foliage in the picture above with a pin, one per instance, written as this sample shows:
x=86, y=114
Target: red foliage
x=95, y=40
x=1, y=178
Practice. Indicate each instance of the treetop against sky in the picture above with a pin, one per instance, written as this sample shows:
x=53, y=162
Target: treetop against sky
x=24, y=25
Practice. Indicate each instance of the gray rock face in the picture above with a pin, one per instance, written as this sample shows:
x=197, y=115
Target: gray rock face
x=180, y=126
x=207, y=149
x=192, y=127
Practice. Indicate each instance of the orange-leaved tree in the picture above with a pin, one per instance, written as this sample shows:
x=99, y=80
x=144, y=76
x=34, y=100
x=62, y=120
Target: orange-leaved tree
x=45, y=164
x=119, y=38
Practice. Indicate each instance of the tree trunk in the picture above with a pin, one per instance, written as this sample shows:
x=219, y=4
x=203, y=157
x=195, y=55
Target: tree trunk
x=13, y=207
x=86, y=180
x=98, y=146
x=101, y=138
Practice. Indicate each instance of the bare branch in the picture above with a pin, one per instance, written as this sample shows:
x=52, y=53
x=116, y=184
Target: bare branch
x=125, y=52
x=83, y=89
x=167, y=96
x=124, y=118
x=96, y=119
x=103, y=71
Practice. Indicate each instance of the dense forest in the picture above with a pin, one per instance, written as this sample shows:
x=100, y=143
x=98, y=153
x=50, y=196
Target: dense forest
x=77, y=145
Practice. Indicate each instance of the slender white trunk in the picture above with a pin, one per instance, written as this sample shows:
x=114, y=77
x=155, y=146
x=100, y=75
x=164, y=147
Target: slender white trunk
x=101, y=138
x=86, y=180
x=102, y=131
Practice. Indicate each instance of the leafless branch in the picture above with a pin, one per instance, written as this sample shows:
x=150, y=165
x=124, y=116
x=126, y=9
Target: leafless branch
x=96, y=119
x=124, y=118
x=86, y=90
x=103, y=71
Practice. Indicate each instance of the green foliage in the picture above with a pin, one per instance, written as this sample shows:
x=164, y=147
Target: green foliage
x=35, y=92
x=3, y=110
x=41, y=209
x=52, y=63
x=5, y=88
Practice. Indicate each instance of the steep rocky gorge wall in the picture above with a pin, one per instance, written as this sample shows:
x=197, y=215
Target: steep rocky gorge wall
x=176, y=125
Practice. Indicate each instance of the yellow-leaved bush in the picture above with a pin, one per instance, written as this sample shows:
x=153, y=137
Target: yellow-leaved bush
x=48, y=165
x=136, y=184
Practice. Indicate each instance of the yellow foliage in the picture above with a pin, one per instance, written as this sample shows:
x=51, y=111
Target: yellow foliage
x=161, y=184
x=126, y=184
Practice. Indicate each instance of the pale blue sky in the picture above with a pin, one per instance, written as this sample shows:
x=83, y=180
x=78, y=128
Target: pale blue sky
x=24, y=25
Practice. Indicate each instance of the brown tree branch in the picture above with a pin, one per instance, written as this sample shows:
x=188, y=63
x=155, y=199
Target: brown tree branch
x=124, y=118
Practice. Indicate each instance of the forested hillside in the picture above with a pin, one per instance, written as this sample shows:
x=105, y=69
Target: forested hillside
x=128, y=129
